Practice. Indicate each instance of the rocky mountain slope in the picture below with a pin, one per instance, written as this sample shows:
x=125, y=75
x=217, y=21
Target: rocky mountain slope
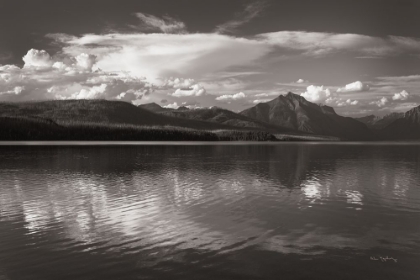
x=295, y=112
x=375, y=122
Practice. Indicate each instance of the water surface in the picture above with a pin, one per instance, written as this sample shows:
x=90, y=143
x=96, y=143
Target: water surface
x=269, y=211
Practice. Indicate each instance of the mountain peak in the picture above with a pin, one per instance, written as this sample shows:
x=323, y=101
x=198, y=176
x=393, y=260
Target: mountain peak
x=292, y=95
x=152, y=107
x=295, y=112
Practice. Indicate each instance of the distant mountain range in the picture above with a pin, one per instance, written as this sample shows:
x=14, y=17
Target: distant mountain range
x=294, y=112
x=406, y=127
x=375, y=122
x=215, y=115
x=99, y=112
x=290, y=115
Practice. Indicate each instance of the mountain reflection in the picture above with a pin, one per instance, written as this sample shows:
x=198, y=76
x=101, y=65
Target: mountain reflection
x=207, y=197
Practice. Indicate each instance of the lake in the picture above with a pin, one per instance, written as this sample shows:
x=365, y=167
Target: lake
x=213, y=211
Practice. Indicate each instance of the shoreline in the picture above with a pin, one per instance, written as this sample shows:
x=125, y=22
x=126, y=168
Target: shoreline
x=203, y=143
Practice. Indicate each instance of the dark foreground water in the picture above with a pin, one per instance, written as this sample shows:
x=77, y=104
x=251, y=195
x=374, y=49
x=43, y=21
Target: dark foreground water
x=281, y=211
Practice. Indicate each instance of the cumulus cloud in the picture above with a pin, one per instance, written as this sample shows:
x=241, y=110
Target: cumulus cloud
x=37, y=58
x=131, y=95
x=191, y=104
x=381, y=102
x=179, y=83
x=43, y=78
x=165, y=24
x=301, y=81
x=250, y=12
x=347, y=102
x=85, y=61
x=354, y=87
x=229, y=97
x=184, y=87
x=87, y=93
x=172, y=106
x=317, y=94
x=194, y=90
x=403, y=95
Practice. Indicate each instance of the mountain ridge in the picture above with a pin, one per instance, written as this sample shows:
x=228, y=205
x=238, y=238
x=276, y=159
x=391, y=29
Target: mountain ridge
x=214, y=114
x=295, y=112
x=375, y=122
x=404, y=128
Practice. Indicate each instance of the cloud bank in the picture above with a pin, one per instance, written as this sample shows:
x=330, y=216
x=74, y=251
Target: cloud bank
x=161, y=58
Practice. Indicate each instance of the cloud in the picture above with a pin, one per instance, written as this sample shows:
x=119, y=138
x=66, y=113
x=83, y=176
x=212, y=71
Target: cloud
x=396, y=79
x=43, y=78
x=163, y=55
x=156, y=56
x=317, y=94
x=131, y=95
x=85, y=61
x=256, y=101
x=165, y=24
x=194, y=90
x=404, y=107
x=227, y=97
x=224, y=86
x=352, y=102
x=403, y=95
x=172, y=106
x=381, y=102
x=301, y=81
x=347, y=102
x=179, y=83
x=163, y=101
x=191, y=104
x=16, y=90
x=354, y=87
x=37, y=58
x=320, y=44
x=87, y=93
x=250, y=12
x=265, y=94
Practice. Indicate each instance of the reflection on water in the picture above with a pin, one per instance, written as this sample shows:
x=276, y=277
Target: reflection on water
x=209, y=212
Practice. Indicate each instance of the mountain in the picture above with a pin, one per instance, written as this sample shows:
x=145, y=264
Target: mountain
x=153, y=107
x=38, y=129
x=375, y=122
x=100, y=112
x=295, y=112
x=215, y=115
x=405, y=128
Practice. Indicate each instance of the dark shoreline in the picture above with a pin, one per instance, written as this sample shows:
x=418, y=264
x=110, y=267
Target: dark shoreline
x=39, y=129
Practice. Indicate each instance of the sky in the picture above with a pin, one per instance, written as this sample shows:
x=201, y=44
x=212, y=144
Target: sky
x=360, y=57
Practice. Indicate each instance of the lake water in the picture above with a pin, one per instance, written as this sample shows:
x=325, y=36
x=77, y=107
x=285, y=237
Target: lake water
x=257, y=211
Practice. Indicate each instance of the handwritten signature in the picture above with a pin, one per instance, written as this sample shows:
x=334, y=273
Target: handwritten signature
x=383, y=259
